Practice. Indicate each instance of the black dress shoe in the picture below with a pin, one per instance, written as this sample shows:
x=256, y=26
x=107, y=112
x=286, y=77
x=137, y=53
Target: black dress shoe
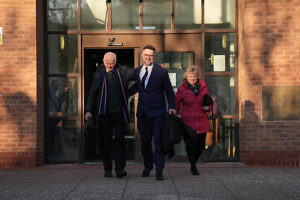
x=146, y=173
x=107, y=173
x=159, y=176
x=120, y=173
x=195, y=171
x=124, y=173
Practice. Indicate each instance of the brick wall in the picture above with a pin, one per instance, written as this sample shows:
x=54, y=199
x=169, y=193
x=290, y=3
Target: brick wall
x=269, y=55
x=18, y=84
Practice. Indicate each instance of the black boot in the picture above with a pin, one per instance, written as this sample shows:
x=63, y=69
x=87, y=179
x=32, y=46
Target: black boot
x=192, y=158
x=198, y=153
x=120, y=173
x=107, y=173
x=194, y=171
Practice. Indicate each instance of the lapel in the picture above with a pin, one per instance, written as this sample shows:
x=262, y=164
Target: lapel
x=137, y=73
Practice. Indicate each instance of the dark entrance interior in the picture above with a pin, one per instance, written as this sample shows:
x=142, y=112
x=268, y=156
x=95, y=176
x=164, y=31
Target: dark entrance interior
x=93, y=59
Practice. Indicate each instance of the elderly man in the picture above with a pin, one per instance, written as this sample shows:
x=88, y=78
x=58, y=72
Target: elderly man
x=110, y=86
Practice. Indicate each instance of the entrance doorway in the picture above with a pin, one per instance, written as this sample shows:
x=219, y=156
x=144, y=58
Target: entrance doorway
x=176, y=52
x=92, y=60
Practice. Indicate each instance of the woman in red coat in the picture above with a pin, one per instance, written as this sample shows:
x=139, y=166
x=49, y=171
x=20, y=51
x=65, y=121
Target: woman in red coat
x=189, y=99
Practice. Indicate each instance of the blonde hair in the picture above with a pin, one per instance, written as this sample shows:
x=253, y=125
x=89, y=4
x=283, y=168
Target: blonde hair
x=191, y=69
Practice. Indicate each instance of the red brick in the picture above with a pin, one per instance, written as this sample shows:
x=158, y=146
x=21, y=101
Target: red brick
x=274, y=51
x=18, y=59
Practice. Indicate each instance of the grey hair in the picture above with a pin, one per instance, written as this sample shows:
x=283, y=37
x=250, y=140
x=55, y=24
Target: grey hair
x=108, y=54
x=191, y=69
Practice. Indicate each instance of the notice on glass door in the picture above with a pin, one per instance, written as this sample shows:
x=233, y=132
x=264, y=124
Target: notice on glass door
x=172, y=77
x=219, y=63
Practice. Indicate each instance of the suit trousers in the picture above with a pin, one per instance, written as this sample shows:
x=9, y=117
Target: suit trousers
x=109, y=124
x=151, y=127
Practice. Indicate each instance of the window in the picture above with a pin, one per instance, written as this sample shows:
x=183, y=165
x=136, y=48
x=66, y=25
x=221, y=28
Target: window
x=219, y=14
x=187, y=14
x=62, y=15
x=94, y=15
x=219, y=52
x=156, y=14
x=125, y=15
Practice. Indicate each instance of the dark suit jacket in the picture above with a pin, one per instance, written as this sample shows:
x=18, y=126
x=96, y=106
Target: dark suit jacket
x=152, y=100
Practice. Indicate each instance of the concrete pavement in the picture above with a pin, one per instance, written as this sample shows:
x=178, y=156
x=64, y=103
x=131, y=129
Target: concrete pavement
x=217, y=181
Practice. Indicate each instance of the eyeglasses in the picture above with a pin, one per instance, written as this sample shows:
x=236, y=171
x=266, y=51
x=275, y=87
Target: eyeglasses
x=148, y=55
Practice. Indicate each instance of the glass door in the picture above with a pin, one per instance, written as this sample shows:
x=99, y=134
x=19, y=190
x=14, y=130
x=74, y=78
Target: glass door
x=220, y=71
x=63, y=114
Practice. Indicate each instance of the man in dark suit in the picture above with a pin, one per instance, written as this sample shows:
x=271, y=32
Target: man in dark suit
x=110, y=86
x=152, y=83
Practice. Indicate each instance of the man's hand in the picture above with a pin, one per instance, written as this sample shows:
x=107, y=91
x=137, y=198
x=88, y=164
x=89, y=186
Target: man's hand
x=172, y=111
x=87, y=116
x=163, y=66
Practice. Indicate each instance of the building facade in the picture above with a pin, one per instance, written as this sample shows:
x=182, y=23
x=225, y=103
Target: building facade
x=248, y=52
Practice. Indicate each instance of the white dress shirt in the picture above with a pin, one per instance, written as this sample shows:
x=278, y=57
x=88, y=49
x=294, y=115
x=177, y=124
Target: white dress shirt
x=143, y=71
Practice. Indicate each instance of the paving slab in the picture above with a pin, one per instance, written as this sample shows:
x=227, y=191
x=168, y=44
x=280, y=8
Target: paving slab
x=216, y=181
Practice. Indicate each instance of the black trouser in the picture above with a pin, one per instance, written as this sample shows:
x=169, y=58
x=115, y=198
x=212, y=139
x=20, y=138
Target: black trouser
x=108, y=124
x=194, y=146
x=150, y=127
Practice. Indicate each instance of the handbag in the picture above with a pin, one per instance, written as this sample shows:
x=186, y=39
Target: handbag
x=209, y=140
x=213, y=148
x=207, y=100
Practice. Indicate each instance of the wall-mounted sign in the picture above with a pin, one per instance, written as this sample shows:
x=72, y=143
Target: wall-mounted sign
x=172, y=77
x=115, y=44
x=1, y=36
x=219, y=63
x=280, y=103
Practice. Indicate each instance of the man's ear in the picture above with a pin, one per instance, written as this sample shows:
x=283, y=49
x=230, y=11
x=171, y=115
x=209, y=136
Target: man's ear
x=163, y=66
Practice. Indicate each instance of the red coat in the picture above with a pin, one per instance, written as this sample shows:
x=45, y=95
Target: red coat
x=191, y=107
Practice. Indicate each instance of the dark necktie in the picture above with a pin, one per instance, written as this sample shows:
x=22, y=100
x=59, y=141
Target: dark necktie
x=144, y=77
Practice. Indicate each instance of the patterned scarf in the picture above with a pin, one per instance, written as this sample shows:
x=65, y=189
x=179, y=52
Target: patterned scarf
x=103, y=93
x=195, y=89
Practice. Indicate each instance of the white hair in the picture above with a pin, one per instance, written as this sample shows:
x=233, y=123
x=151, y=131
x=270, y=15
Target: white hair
x=110, y=54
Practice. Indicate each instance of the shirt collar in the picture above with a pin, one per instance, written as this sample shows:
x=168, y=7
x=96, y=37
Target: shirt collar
x=149, y=67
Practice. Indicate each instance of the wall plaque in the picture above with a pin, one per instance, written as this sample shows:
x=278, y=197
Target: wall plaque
x=114, y=44
x=281, y=103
